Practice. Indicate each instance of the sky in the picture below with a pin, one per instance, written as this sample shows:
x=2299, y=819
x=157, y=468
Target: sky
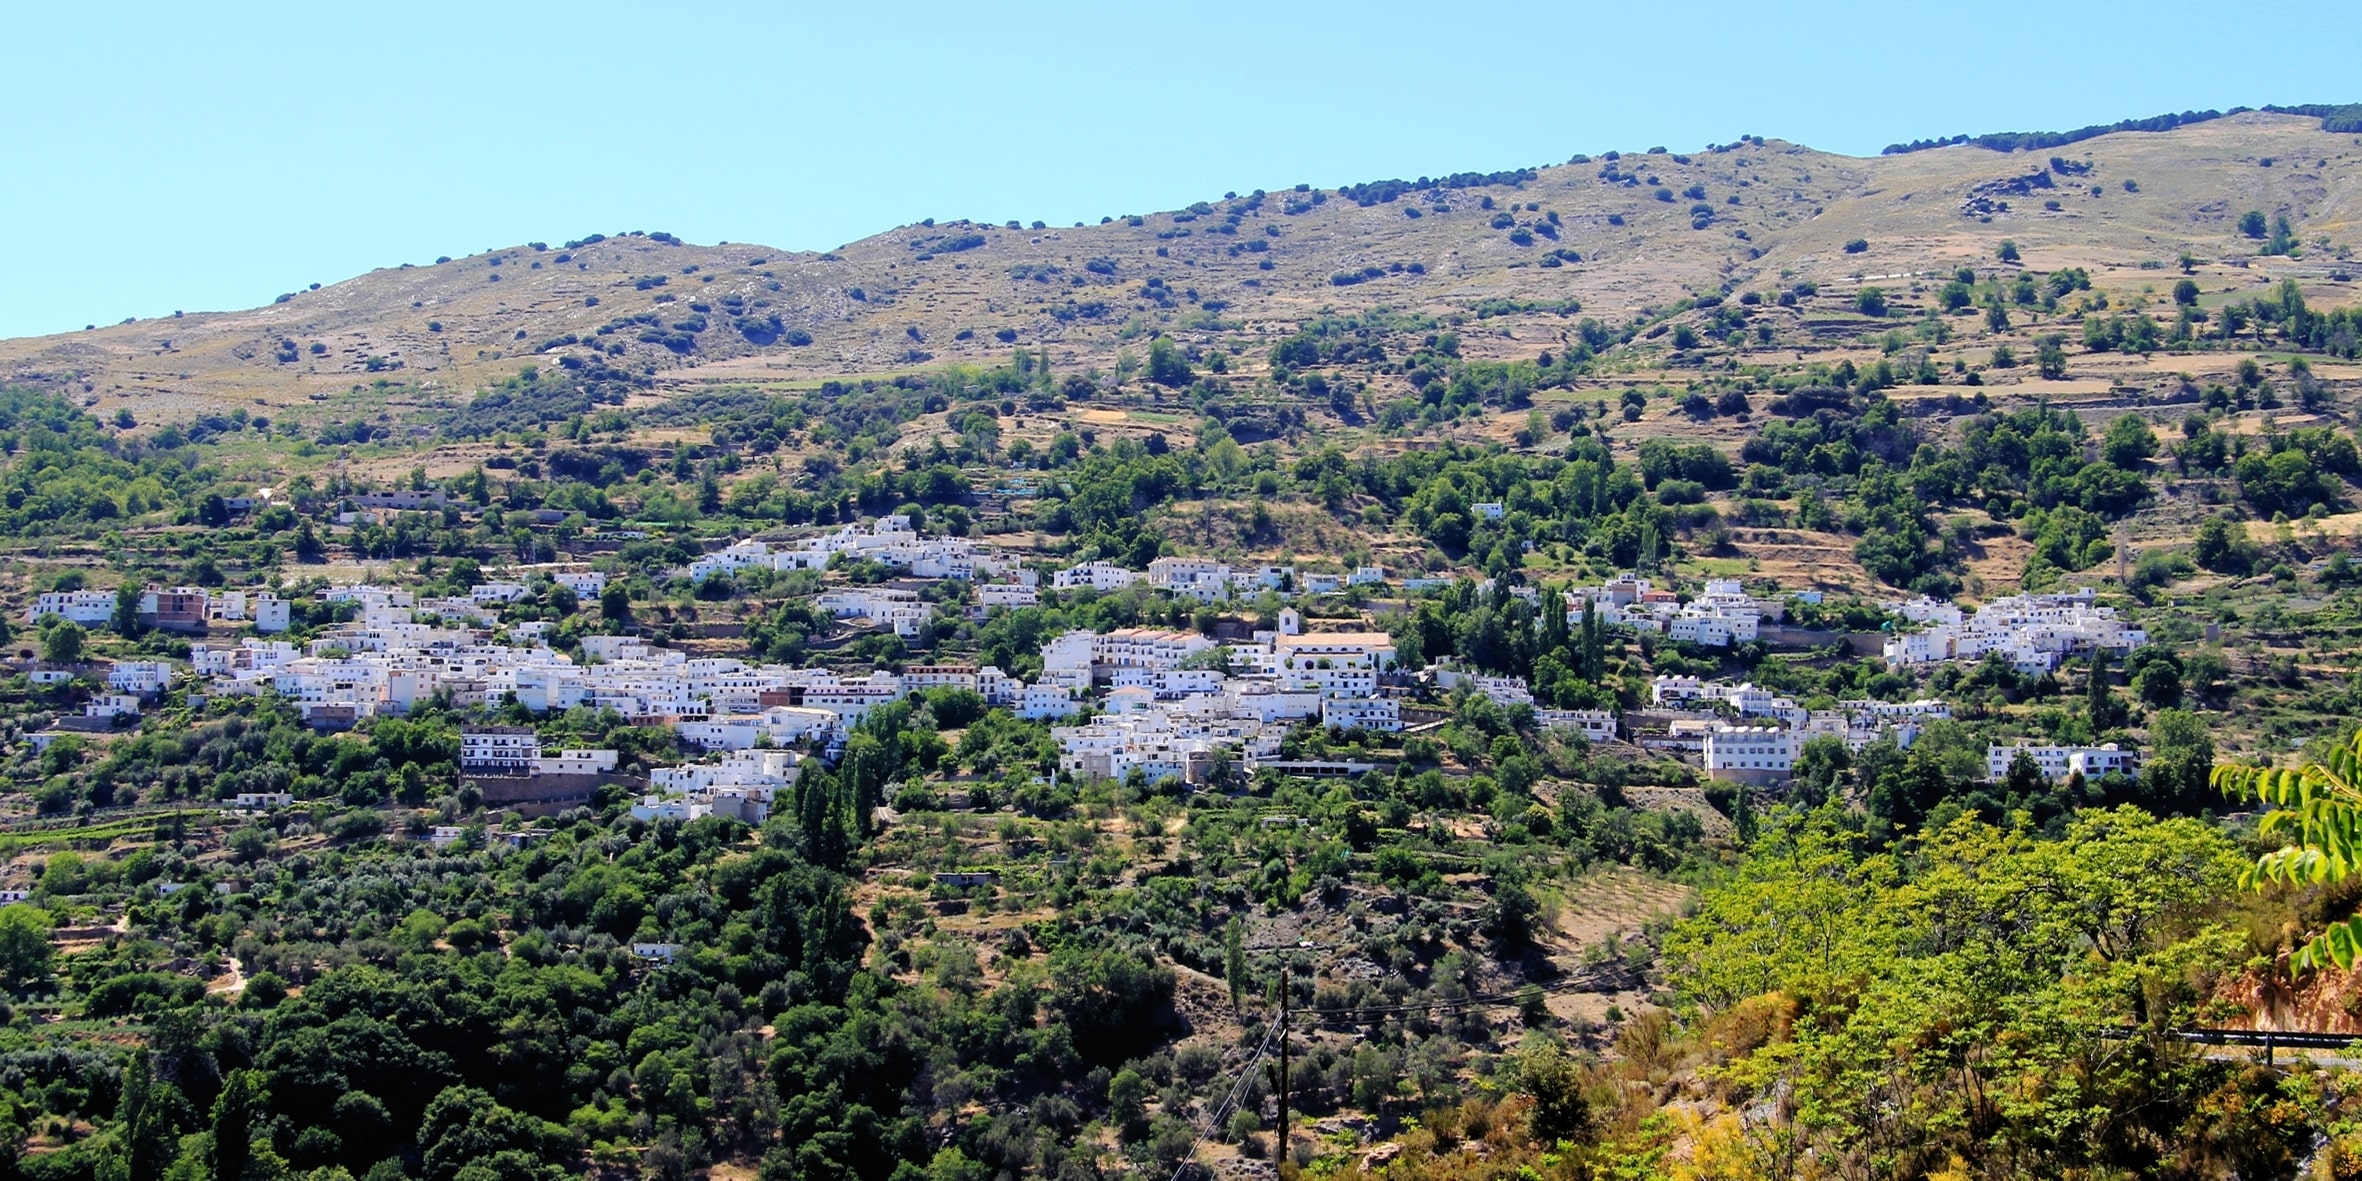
x=159, y=157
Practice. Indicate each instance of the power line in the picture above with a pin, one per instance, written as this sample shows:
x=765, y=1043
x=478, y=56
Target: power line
x=1229, y=1102
x=1493, y=1000
x=1279, y=1030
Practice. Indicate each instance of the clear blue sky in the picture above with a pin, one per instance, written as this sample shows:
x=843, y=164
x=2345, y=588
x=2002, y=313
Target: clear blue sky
x=193, y=156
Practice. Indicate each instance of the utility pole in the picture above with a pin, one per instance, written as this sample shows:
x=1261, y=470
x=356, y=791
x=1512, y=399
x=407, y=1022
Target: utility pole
x=1282, y=1153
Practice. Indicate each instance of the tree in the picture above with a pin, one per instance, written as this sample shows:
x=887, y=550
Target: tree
x=2129, y=443
x=465, y=1134
x=866, y=767
x=2252, y=224
x=1561, y=1111
x=1996, y=316
x=1234, y=960
x=1819, y=766
x=1166, y=365
x=2099, y=706
x=63, y=644
x=1509, y=917
x=1870, y=301
x=25, y=952
x=2181, y=757
x=1114, y=1002
x=1127, y=1098
x=2221, y=546
x=615, y=604
x=2159, y=684
x=148, y=1122
x=2051, y=358
x=242, y=1103
x=2318, y=805
x=2008, y=251
x=2283, y=236
x=820, y=816
x=2185, y=292
x=127, y=598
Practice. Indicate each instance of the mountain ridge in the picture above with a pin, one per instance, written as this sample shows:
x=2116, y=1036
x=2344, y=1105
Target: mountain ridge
x=1614, y=237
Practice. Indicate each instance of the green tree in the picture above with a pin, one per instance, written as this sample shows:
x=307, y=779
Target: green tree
x=2317, y=808
x=1561, y=1111
x=2050, y=358
x=2159, y=684
x=148, y=1121
x=1983, y=956
x=2252, y=224
x=1112, y=1001
x=1820, y=765
x=1234, y=960
x=2181, y=759
x=1166, y=364
x=464, y=1134
x=820, y=818
x=127, y=597
x=2099, y=705
x=25, y=951
x=236, y=1111
x=865, y=770
x=1127, y=1098
x=62, y=644
x=2185, y=293
x=2129, y=443
x=615, y=604
x=2008, y=251
x=2221, y=546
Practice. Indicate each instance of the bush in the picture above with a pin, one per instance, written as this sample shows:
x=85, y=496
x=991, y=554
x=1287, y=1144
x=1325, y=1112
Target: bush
x=1857, y=246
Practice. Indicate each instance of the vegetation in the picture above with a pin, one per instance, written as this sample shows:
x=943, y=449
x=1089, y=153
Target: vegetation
x=948, y=954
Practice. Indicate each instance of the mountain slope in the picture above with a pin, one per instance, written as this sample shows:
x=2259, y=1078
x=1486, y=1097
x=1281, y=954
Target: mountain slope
x=1614, y=236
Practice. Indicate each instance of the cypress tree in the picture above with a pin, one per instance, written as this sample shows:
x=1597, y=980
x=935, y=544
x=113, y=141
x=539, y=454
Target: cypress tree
x=2101, y=710
x=234, y=1115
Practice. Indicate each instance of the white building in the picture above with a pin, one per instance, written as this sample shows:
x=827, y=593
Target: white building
x=498, y=750
x=1006, y=594
x=1750, y=754
x=2032, y=632
x=86, y=607
x=1098, y=576
x=586, y=584
x=1376, y=714
x=2061, y=762
x=140, y=677
x=271, y=613
x=1143, y=647
x=1595, y=725
x=1042, y=702
x=111, y=705
x=1370, y=650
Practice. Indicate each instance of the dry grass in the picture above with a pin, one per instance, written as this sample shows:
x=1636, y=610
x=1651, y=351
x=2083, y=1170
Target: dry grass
x=1797, y=207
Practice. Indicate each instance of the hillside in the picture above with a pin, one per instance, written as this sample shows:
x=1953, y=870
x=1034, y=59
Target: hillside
x=1244, y=267
x=1705, y=666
